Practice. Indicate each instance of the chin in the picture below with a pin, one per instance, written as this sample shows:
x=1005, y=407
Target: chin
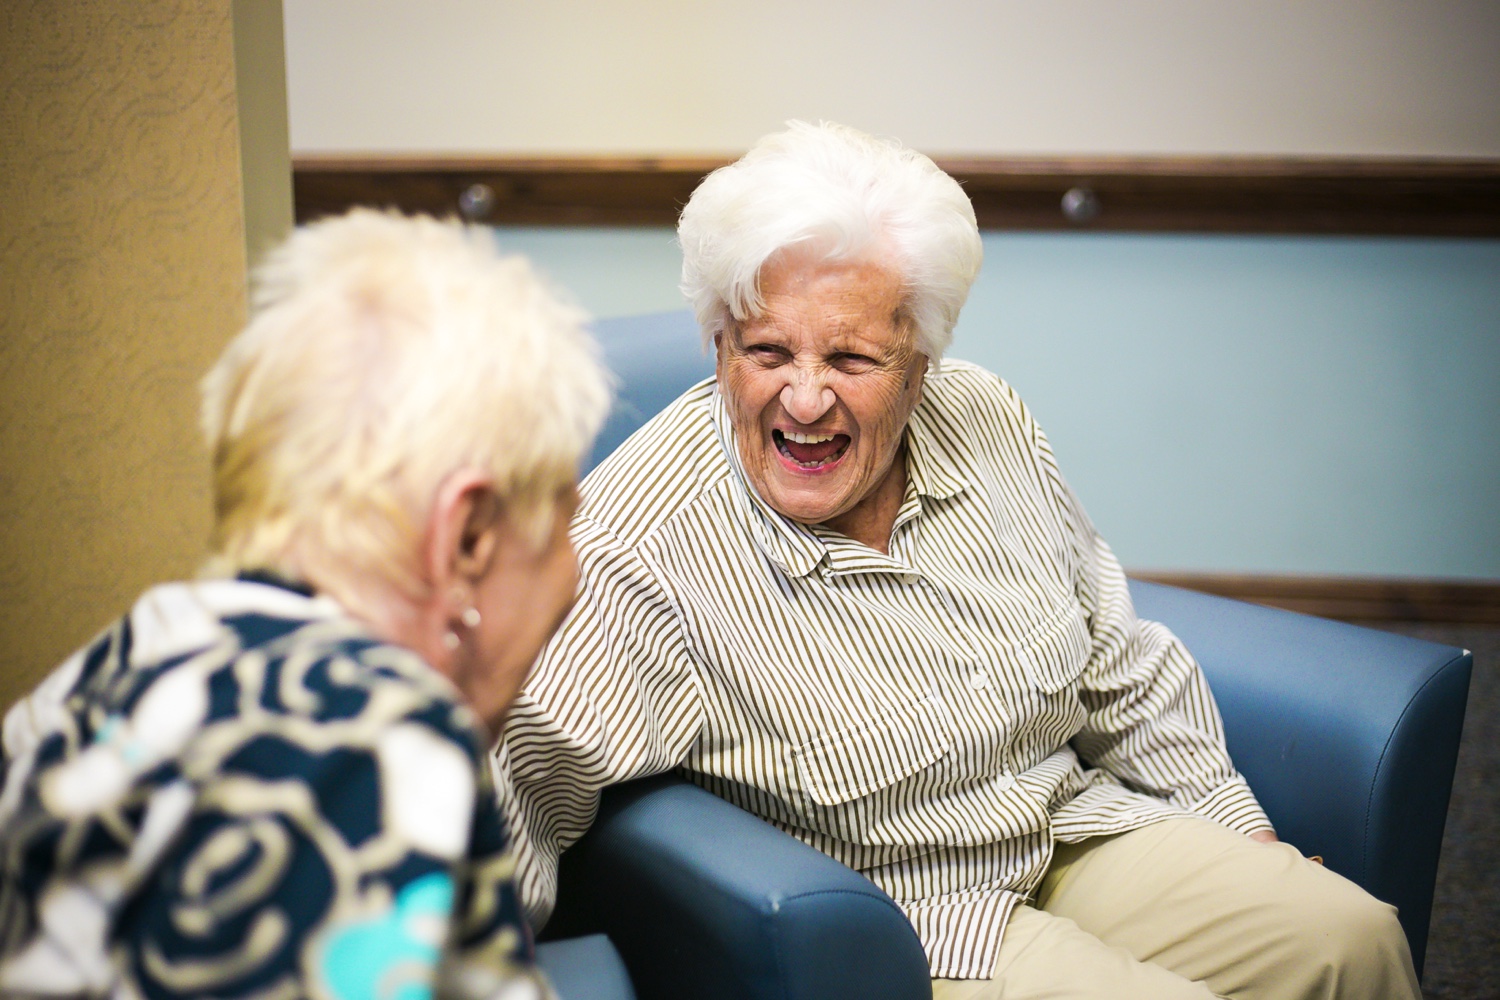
x=804, y=510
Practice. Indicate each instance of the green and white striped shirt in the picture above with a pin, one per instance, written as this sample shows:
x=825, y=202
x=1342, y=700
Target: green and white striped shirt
x=935, y=718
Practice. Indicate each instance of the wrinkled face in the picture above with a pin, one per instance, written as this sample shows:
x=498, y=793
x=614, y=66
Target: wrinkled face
x=522, y=599
x=819, y=386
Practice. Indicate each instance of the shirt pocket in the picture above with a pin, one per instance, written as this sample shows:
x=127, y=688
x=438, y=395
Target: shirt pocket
x=1055, y=654
x=875, y=753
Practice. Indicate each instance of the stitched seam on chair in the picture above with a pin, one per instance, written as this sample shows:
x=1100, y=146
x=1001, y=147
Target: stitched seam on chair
x=849, y=892
x=1364, y=861
x=779, y=964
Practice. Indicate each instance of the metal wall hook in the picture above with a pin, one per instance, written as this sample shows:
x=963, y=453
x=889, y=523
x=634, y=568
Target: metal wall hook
x=476, y=202
x=1080, y=204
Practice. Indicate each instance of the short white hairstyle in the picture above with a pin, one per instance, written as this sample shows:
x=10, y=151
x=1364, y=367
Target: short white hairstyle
x=831, y=189
x=383, y=354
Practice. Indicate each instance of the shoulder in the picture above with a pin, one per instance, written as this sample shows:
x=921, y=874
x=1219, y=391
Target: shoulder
x=156, y=660
x=251, y=661
x=381, y=741
x=977, y=406
x=674, y=460
x=288, y=644
x=956, y=384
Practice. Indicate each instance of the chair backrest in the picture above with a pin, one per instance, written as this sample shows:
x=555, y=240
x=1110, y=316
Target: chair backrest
x=656, y=358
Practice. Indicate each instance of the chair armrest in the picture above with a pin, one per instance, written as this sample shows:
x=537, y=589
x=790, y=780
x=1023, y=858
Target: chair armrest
x=1348, y=736
x=705, y=900
x=585, y=968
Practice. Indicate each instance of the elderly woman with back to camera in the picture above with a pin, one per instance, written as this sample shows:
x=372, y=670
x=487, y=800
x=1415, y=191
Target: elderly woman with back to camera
x=844, y=585
x=269, y=781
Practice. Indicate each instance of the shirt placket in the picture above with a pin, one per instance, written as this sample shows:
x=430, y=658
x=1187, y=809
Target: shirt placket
x=944, y=619
x=978, y=672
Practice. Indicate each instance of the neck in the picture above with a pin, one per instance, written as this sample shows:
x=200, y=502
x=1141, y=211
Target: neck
x=872, y=520
x=393, y=616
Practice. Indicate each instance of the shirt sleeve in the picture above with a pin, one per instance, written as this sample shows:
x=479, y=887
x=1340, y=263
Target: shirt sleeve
x=1152, y=721
x=613, y=697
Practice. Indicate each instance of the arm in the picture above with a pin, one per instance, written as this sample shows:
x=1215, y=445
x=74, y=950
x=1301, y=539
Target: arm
x=1152, y=721
x=613, y=697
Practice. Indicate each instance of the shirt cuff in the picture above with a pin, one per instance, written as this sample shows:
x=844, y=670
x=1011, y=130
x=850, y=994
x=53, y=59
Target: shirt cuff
x=1233, y=804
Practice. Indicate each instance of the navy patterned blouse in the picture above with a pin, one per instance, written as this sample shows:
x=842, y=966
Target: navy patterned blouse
x=236, y=790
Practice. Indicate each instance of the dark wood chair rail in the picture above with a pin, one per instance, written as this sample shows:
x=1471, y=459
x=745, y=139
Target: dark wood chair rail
x=1393, y=196
x=1355, y=599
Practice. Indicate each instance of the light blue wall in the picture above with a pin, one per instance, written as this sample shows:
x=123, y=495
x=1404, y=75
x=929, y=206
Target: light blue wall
x=1221, y=404
x=612, y=272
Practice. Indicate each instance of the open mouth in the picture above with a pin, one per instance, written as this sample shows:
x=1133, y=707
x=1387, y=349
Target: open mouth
x=810, y=451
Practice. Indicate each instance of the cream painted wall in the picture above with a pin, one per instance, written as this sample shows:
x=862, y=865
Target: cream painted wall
x=947, y=76
x=1302, y=405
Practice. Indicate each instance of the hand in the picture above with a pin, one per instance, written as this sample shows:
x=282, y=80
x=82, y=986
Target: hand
x=1269, y=837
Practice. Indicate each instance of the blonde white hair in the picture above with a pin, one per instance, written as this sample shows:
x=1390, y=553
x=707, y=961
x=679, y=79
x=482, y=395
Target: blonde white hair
x=383, y=354
x=848, y=195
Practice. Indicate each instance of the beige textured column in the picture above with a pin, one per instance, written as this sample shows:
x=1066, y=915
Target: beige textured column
x=122, y=274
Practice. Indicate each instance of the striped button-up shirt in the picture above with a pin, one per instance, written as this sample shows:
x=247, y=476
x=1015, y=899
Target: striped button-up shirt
x=936, y=718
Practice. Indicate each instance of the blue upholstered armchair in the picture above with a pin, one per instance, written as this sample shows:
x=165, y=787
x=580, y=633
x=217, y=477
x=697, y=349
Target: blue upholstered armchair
x=1348, y=736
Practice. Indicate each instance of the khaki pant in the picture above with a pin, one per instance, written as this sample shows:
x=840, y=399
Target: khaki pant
x=1188, y=908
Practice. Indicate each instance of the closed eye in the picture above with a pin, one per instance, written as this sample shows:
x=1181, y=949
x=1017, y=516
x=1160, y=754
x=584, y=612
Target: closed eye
x=853, y=364
x=766, y=354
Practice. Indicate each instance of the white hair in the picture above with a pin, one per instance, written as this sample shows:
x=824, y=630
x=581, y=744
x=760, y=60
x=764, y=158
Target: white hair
x=834, y=189
x=385, y=353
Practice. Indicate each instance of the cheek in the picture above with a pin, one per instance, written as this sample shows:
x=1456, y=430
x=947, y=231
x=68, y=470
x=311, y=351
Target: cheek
x=747, y=390
x=567, y=591
x=557, y=580
x=885, y=407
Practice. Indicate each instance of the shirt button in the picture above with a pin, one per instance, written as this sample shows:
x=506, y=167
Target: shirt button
x=1005, y=782
x=979, y=680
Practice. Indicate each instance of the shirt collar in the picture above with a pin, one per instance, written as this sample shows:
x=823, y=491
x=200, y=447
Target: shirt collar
x=933, y=468
x=931, y=471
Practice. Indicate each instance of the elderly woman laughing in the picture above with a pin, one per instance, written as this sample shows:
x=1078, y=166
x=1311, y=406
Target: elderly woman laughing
x=844, y=585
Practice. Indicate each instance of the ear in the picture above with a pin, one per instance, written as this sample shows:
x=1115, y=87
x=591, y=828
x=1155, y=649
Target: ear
x=463, y=531
x=916, y=378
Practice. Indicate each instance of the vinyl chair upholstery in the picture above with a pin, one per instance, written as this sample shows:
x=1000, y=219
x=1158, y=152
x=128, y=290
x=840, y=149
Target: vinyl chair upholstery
x=585, y=968
x=705, y=900
x=1349, y=737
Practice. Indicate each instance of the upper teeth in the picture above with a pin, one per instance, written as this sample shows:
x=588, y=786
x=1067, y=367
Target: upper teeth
x=807, y=438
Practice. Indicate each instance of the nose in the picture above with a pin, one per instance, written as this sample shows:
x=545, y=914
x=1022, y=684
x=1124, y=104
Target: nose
x=805, y=398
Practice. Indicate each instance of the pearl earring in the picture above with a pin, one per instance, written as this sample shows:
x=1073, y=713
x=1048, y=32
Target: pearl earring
x=450, y=639
x=470, y=617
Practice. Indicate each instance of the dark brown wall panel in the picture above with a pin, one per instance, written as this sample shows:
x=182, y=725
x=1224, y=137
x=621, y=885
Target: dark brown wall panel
x=1183, y=194
x=1353, y=599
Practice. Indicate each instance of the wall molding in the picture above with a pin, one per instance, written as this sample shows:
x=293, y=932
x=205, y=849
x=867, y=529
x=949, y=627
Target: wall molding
x=1331, y=195
x=1353, y=599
